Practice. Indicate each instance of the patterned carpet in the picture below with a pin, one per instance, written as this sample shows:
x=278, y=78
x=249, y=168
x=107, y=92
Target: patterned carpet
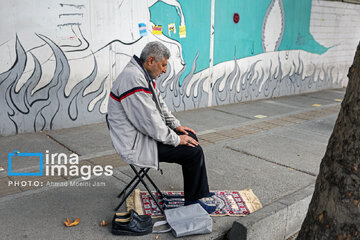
x=228, y=203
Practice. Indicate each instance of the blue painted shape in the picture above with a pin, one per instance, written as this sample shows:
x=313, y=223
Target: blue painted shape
x=197, y=21
x=297, y=28
x=11, y=173
x=242, y=39
x=233, y=40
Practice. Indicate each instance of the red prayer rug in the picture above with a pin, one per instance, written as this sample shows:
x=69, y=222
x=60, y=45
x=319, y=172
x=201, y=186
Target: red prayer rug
x=228, y=203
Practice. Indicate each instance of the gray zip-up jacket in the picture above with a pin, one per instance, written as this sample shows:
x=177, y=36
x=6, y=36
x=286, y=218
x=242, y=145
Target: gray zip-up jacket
x=139, y=118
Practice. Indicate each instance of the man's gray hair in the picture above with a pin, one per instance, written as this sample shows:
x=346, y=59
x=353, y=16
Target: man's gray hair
x=156, y=49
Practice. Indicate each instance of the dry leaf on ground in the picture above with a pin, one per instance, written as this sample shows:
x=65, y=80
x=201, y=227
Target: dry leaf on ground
x=103, y=223
x=68, y=223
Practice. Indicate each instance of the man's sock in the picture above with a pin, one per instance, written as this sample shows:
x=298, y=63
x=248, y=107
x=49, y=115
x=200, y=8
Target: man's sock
x=208, y=208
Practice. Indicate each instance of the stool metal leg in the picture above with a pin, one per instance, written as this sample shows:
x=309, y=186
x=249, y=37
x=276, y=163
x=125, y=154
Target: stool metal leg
x=157, y=189
x=148, y=189
x=124, y=190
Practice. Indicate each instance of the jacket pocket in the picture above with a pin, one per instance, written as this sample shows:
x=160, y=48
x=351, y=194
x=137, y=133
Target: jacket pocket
x=135, y=140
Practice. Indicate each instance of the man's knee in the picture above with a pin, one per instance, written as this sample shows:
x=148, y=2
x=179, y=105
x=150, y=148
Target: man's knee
x=193, y=136
x=192, y=153
x=197, y=153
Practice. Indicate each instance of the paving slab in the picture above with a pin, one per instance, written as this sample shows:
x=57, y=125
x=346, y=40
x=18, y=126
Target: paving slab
x=339, y=90
x=302, y=101
x=27, y=143
x=286, y=146
x=295, y=132
x=205, y=119
x=85, y=140
x=228, y=169
x=327, y=95
x=323, y=126
x=251, y=109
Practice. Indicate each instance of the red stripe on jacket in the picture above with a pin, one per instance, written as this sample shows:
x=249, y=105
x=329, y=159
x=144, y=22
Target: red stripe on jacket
x=128, y=93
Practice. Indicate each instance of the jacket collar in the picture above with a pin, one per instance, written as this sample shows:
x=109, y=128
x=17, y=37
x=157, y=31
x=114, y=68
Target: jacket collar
x=139, y=64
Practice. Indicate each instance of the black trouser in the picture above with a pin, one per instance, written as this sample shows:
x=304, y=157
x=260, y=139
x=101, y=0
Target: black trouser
x=192, y=161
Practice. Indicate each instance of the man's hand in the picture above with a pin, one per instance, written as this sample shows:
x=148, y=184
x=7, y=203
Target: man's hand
x=184, y=129
x=187, y=140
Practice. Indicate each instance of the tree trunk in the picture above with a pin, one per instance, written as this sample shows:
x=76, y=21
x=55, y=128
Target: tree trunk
x=334, y=211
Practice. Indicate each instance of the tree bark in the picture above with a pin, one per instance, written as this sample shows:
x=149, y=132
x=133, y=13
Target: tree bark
x=334, y=211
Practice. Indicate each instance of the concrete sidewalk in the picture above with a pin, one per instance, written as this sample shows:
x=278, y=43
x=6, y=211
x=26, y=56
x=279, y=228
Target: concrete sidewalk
x=272, y=146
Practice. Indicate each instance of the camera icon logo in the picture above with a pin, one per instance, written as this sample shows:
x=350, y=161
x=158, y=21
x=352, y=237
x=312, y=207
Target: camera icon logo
x=18, y=154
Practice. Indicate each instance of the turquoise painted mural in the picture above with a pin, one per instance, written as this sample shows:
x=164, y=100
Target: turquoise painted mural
x=297, y=28
x=253, y=34
x=197, y=16
x=242, y=39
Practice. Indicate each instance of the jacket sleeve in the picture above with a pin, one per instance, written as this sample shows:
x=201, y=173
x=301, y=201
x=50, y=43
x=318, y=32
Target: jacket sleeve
x=141, y=111
x=170, y=119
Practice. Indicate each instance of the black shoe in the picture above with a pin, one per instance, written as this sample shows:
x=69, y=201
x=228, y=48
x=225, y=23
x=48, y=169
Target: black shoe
x=130, y=226
x=140, y=218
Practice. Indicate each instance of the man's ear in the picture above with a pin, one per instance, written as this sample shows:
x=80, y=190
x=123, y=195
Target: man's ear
x=150, y=60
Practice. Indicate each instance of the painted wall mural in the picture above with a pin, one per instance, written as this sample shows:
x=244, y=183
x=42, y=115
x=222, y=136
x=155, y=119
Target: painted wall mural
x=58, y=61
x=48, y=107
x=248, y=63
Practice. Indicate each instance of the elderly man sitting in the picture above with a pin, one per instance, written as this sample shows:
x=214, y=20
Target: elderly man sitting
x=143, y=130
